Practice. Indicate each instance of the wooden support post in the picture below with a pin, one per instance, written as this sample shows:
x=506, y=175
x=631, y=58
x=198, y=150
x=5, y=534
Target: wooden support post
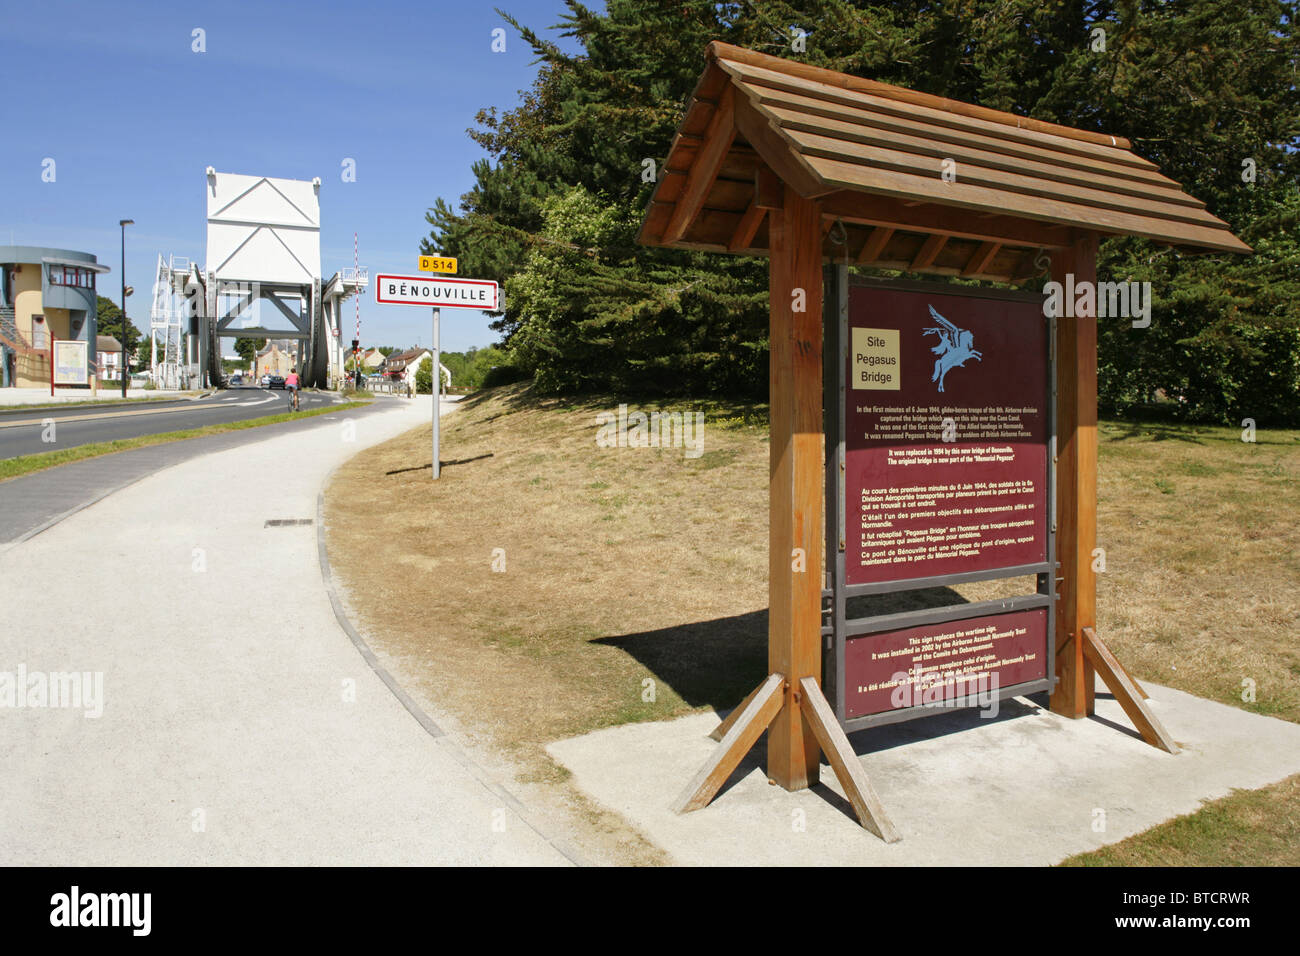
x=1126, y=692
x=1140, y=689
x=1076, y=481
x=790, y=704
x=795, y=494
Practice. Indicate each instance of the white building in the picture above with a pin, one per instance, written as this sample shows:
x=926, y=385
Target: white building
x=402, y=366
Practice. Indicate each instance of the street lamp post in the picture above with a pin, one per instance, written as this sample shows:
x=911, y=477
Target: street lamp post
x=124, y=223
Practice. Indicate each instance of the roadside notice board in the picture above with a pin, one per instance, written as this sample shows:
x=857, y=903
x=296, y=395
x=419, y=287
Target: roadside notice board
x=939, y=430
x=70, y=364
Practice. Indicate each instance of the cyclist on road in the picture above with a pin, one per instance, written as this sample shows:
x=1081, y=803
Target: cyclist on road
x=291, y=383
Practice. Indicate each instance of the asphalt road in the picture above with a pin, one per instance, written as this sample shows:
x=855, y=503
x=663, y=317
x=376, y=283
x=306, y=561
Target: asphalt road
x=23, y=431
x=32, y=503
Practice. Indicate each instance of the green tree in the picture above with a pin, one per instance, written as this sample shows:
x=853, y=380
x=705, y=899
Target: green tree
x=247, y=348
x=108, y=321
x=1198, y=86
x=469, y=368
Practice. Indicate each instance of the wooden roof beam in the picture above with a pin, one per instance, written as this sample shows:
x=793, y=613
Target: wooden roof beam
x=743, y=237
x=769, y=193
x=776, y=151
x=699, y=179
x=929, y=251
x=979, y=262
x=717, y=50
x=875, y=244
x=872, y=210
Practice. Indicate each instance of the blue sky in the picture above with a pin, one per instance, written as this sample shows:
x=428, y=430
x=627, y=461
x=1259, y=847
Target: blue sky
x=133, y=116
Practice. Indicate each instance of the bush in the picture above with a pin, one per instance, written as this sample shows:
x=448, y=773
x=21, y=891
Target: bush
x=503, y=375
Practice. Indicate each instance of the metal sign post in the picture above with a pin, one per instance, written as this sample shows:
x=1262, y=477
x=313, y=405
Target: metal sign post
x=437, y=391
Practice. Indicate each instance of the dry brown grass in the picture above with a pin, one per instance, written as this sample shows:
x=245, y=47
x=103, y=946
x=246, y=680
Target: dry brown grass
x=613, y=558
x=628, y=565
x=616, y=560
x=1202, y=538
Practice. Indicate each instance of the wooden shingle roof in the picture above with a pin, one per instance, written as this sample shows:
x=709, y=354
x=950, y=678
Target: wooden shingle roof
x=876, y=157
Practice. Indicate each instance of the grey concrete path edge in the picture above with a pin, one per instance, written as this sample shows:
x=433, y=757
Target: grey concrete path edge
x=423, y=719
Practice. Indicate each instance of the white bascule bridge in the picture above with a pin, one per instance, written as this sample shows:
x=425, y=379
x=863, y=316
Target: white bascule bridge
x=262, y=279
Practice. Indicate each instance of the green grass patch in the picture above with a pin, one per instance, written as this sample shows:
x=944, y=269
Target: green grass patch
x=27, y=464
x=1248, y=828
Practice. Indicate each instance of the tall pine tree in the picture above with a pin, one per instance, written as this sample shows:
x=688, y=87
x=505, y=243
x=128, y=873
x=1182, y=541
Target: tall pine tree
x=1203, y=88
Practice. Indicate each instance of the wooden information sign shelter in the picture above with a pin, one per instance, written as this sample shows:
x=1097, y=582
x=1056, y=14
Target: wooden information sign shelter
x=808, y=166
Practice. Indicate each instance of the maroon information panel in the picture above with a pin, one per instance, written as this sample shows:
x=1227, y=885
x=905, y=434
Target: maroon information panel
x=933, y=664
x=945, y=435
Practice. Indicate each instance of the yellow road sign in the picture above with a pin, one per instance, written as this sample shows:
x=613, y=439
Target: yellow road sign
x=437, y=264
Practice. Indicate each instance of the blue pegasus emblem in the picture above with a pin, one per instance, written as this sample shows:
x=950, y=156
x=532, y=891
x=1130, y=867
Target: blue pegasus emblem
x=954, y=348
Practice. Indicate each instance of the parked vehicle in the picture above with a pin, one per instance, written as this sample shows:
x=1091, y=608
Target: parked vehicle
x=266, y=381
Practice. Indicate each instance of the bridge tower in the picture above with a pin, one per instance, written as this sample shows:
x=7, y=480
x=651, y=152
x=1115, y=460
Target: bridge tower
x=263, y=254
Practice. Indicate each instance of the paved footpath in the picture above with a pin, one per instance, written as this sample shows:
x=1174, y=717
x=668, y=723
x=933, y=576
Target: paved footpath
x=31, y=503
x=240, y=724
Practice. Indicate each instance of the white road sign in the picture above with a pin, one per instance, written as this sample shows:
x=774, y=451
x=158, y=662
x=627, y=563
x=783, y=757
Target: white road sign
x=436, y=291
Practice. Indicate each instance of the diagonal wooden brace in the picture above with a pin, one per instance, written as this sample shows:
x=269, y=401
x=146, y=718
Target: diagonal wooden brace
x=1126, y=691
x=756, y=714
x=720, y=731
x=742, y=728
x=871, y=812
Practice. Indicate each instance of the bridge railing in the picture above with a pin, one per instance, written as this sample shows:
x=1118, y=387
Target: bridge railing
x=386, y=386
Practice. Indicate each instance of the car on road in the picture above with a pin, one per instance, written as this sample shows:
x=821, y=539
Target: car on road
x=265, y=381
x=236, y=380
x=276, y=381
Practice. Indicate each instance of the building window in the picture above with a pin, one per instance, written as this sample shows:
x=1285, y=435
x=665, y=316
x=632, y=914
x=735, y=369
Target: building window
x=72, y=276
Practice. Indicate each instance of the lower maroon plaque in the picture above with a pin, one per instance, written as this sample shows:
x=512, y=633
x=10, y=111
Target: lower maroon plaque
x=932, y=664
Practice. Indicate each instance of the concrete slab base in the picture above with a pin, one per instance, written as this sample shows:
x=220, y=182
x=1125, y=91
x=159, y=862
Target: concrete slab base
x=1025, y=788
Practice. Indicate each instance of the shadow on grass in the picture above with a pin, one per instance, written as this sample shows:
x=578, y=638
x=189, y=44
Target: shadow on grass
x=524, y=396
x=708, y=663
x=445, y=464
x=716, y=663
x=1119, y=431
x=1127, y=431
